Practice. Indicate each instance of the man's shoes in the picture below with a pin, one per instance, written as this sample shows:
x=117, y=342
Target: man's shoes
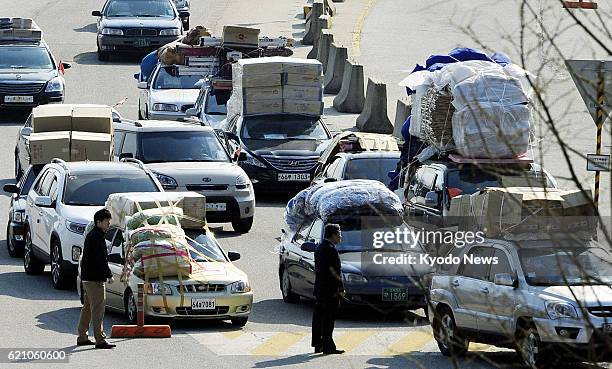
x=105, y=345
x=318, y=350
x=85, y=343
x=333, y=352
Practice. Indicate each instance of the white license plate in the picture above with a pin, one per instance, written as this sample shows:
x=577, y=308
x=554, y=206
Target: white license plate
x=203, y=304
x=218, y=206
x=19, y=99
x=607, y=328
x=298, y=177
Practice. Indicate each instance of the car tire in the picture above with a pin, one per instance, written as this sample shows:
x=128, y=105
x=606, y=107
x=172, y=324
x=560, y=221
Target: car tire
x=18, y=169
x=31, y=264
x=60, y=277
x=530, y=348
x=239, y=322
x=13, y=250
x=242, y=225
x=131, y=310
x=447, y=336
x=103, y=56
x=140, y=117
x=288, y=295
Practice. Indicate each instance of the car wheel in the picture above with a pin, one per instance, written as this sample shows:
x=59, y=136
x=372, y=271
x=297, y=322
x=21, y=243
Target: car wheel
x=60, y=277
x=131, y=310
x=288, y=296
x=530, y=348
x=242, y=225
x=102, y=56
x=18, y=170
x=31, y=264
x=447, y=336
x=13, y=250
x=239, y=322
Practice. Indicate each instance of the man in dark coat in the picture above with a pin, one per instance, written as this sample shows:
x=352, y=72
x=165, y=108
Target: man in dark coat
x=327, y=290
x=94, y=273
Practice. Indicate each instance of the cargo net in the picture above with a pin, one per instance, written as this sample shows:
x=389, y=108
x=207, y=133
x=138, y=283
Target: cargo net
x=436, y=118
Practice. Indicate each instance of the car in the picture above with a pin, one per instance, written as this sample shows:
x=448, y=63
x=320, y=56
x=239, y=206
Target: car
x=60, y=204
x=383, y=287
x=15, y=231
x=218, y=282
x=544, y=298
x=211, y=106
x=190, y=157
x=282, y=150
x=167, y=95
x=29, y=73
x=374, y=165
x=136, y=26
x=22, y=147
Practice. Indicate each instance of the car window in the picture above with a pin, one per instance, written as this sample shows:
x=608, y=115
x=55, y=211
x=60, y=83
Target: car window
x=94, y=189
x=130, y=144
x=28, y=122
x=302, y=234
x=502, y=266
x=45, y=186
x=169, y=78
x=147, y=8
x=371, y=168
x=39, y=182
x=53, y=189
x=316, y=231
x=283, y=127
x=182, y=146
x=119, y=136
x=329, y=171
x=28, y=180
x=473, y=269
x=216, y=104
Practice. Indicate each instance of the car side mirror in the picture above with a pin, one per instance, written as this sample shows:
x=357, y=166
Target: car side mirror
x=126, y=155
x=96, y=13
x=115, y=258
x=26, y=131
x=191, y=112
x=431, y=198
x=233, y=255
x=309, y=247
x=143, y=85
x=11, y=188
x=137, y=76
x=329, y=179
x=184, y=14
x=43, y=202
x=66, y=65
x=242, y=156
x=505, y=279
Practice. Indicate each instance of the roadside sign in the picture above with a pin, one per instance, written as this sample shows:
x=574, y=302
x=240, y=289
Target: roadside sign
x=596, y=163
x=586, y=75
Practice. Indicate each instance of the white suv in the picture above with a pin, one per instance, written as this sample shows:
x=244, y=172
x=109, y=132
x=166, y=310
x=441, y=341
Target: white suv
x=60, y=204
x=190, y=157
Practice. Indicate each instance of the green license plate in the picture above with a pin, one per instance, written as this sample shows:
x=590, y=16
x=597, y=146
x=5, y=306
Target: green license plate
x=142, y=42
x=394, y=294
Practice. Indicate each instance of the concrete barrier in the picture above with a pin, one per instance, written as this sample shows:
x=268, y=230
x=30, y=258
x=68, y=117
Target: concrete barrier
x=324, y=22
x=335, y=69
x=351, y=98
x=325, y=40
x=312, y=30
x=403, y=110
x=374, y=117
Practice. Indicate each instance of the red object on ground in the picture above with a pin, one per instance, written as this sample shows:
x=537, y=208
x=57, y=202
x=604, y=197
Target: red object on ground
x=579, y=4
x=140, y=330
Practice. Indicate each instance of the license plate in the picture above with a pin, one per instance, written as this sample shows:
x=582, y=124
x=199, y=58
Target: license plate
x=298, y=177
x=220, y=206
x=203, y=304
x=394, y=294
x=19, y=99
x=607, y=328
x=142, y=42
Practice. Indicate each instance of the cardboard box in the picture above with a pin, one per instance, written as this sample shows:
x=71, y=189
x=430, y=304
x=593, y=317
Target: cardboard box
x=52, y=118
x=49, y=145
x=262, y=93
x=262, y=80
x=303, y=93
x=308, y=67
x=240, y=36
x=303, y=107
x=293, y=79
x=27, y=33
x=92, y=119
x=90, y=146
x=270, y=106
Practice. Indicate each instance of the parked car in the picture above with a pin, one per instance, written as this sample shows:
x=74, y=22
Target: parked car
x=281, y=150
x=60, y=204
x=190, y=157
x=543, y=298
x=15, y=230
x=219, y=291
x=211, y=106
x=374, y=165
x=136, y=26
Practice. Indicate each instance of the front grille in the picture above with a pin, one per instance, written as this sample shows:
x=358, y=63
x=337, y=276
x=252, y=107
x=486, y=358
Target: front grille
x=601, y=311
x=208, y=287
x=140, y=32
x=219, y=310
x=291, y=164
x=21, y=88
x=205, y=187
x=185, y=107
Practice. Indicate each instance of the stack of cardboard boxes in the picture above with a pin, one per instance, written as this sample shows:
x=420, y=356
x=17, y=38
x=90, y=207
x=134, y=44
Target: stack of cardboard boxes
x=71, y=133
x=19, y=28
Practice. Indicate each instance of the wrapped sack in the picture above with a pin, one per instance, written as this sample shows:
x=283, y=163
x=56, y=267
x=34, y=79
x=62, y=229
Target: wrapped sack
x=154, y=217
x=489, y=88
x=153, y=233
x=492, y=130
x=295, y=213
x=169, y=54
x=158, y=258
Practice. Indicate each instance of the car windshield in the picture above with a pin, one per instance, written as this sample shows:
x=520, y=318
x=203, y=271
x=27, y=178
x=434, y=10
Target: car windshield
x=283, y=127
x=182, y=146
x=140, y=8
x=206, y=249
x=216, y=104
x=561, y=266
x=93, y=189
x=371, y=168
x=359, y=236
x=168, y=78
x=27, y=182
x=25, y=57
x=471, y=179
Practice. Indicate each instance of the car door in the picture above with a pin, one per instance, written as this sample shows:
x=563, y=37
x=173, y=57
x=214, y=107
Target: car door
x=307, y=262
x=293, y=259
x=145, y=94
x=130, y=144
x=23, y=143
x=49, y=215
x=36, y=215
x=114, y=291
x=119, y=136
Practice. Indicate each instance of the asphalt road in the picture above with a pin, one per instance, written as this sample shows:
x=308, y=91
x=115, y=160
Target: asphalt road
x=34, y=315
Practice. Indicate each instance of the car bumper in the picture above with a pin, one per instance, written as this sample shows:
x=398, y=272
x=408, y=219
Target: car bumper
x=266, y=179
x=582, y=332
x=238, y=205
x=133, y=43
x=40, y=98
x=373, y=296
x=163, y=115
x=227, y=306
x=17, y=234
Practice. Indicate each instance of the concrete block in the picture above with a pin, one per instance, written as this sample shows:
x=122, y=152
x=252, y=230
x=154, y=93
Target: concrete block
x=351, y=97
x=374, y=117
x=324, y=22
x=318, y=9
x=335, y=69
x=402, y=111
x=325, y=40
x=330, y=8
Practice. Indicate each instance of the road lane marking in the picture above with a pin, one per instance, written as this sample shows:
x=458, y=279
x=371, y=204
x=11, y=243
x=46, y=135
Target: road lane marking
x=278, y=344
x=233, y=335
x=411, y=342
x=349, y=340
x=356, y=46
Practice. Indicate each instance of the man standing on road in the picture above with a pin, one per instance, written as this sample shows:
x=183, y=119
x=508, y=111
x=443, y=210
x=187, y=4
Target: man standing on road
x=94, y=272
x=327, y=290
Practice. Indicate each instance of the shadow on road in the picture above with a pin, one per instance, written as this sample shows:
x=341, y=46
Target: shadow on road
x=91, y=28
x=14, y=117
x=66, y=320
x=91, y=58
x=31, y=287
x=291, y=360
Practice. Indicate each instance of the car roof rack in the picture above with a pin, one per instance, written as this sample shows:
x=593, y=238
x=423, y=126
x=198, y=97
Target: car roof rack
x=131, y=121
x=61, y=163
x=134, y=161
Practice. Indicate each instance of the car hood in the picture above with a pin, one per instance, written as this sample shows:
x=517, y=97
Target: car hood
x=27, y=75
x=80, y=214
x=175, y=96
x=587, y=295
x=285, y=147
x=352, y=263
x=211, y=272
x=134, y=22
x=194, y=173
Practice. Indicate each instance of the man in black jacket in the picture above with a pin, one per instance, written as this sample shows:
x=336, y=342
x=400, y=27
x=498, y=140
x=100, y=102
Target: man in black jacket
x=327, y=290
x=94, y=272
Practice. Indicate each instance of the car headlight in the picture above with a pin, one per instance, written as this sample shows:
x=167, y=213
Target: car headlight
x=558, y=310
x=77, y=228
x=354, y=278
x=240, y=287
x=156, y=288
x=165, y=107
x=18, y=216
x=76, y=253
x=56, y=84
x=252, y=161
x=112, y=32
x=170, y=32
x=167, y=182
x=242, y=181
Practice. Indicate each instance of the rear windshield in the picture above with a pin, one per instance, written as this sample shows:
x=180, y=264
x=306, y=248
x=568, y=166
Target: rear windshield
x=25, y=57
x=94, y=189
x=371, y=168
